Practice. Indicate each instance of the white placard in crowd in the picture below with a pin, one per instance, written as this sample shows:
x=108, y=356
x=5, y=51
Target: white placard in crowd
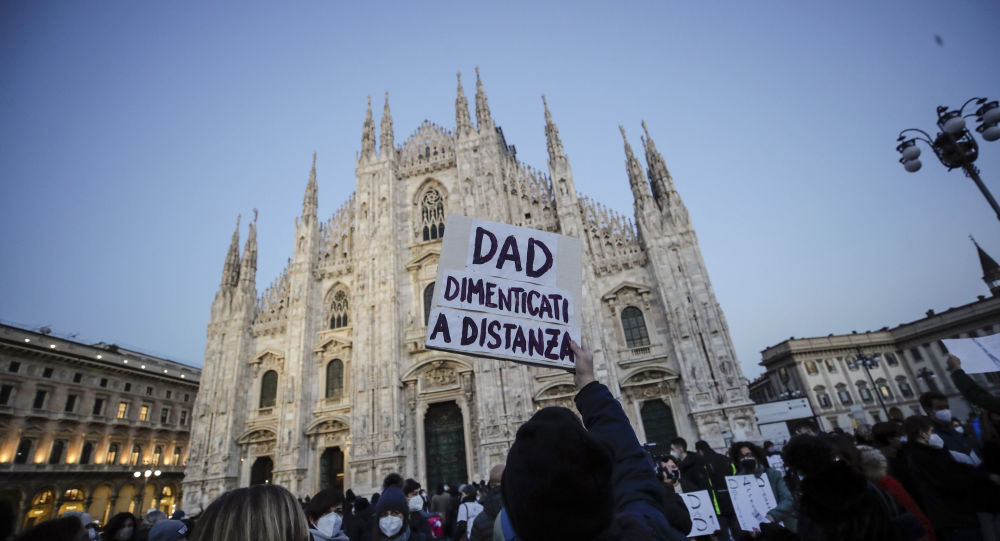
x=978, y=355
x=752, y=499
x=702, y=511
x=776, y=462
x=506, y=292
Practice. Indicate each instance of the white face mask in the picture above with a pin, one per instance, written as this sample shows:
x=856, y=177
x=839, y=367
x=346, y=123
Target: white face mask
x=960, y=430
x=943, y=415
x=124, y=534
x=390, y=525
x=329, y=524
x=936, y=441
x=416, y=503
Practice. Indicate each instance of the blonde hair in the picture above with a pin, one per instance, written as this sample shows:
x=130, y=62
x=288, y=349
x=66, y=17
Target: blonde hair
x=257, y=513
x=873, y=462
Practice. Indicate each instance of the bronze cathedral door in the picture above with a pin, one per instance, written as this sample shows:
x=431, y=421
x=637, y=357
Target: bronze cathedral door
x=444, y=438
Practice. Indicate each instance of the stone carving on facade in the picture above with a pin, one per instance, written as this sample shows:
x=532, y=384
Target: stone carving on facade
x=268, y=360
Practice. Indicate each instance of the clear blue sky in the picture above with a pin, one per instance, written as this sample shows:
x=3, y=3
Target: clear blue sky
x=133, y=133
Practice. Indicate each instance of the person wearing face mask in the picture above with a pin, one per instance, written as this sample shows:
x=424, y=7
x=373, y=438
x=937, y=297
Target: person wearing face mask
x=429, y=524
x=950, y=493
x=393, y=518
x=120, y=527
x=325, y=512
x=963, y=449
x=750, y=459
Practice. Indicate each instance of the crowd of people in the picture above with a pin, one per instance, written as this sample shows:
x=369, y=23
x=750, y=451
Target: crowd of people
x=927, y=477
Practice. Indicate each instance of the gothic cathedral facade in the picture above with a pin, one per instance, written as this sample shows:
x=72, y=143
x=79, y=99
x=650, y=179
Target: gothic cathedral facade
x=323, y=379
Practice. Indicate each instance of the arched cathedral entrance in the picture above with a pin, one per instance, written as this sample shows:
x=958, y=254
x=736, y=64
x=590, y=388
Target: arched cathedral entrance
x=444, y=440
x=331, y=469
x=260, y=472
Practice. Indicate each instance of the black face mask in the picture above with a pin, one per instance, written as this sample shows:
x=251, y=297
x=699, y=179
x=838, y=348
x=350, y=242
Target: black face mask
x=748, y=465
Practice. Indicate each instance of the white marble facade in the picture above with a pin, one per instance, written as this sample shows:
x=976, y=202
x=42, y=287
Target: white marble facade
x=331, y=355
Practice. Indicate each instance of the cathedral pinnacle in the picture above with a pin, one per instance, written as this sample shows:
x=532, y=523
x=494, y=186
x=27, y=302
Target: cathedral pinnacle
x=552, y=134
x=231, y=270
x=659, y=177
x=310, y=201
x=640, y=189
x=484, y=122
x=463, y=123
x=248, y=267
x=385, y=136
x=368, y=134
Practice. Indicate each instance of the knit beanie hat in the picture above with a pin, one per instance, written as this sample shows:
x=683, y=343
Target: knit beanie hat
x=557, y=482
x=392, y=499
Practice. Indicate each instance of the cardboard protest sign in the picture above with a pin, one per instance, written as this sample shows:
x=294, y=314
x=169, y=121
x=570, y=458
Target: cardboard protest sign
x=978, y=355
x=506, y=292
x=703, y=518
x=752, y=499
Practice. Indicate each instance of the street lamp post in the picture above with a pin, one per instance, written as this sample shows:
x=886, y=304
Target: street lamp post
x=146, y=474
x=954, y=145
x=868, y=362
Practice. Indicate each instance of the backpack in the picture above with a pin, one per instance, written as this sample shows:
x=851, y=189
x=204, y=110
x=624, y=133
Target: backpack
x=436, y=525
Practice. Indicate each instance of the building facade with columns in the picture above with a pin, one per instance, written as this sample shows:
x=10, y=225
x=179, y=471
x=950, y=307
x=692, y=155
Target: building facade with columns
x=323, y=378
x=911, y=361
x=78, y=421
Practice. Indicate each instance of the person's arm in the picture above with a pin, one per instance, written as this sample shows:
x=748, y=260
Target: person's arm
x=784, y=510
x=636, y=489
x=970, y=390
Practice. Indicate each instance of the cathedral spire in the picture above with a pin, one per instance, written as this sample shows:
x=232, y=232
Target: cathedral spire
x=385, y=137
x=231, y=270
x=463, y=123
x=248, y=266
x=640, y=189
x=552, y=135
x=368, y=134
x=991, y=271
x=310, y=201
x=484, y=122
x=659, y=177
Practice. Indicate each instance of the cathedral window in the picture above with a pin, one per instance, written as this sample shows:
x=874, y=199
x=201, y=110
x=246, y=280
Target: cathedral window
x=338, y=310
x=658, y=422
x=335, y=379
x=428, y=300
x=268, y=389
x=136, y=452
x=634, y=325
x=432, y=215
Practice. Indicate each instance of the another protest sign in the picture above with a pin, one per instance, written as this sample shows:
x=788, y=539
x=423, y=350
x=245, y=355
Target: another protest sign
x=776, y=462
x=704, y=521
x=752, y=499
x=979, y=355
x=506, y=292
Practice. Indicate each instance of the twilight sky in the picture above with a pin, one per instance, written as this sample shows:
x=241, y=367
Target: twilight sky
x=133, y=133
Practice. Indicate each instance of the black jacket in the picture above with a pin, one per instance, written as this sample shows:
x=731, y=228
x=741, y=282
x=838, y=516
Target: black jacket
x=482, y=526
x=719, y=466
x=948, y=491
x=694, y=475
